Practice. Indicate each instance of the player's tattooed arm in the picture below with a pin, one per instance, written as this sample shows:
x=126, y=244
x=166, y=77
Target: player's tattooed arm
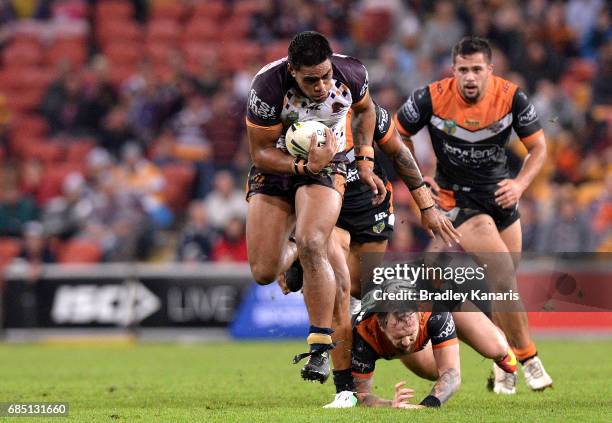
x=365, y=396
x=448, y=383
x=406, y=167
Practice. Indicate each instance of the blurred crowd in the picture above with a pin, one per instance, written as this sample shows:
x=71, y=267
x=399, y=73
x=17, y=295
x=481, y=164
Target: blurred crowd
x=122, y=130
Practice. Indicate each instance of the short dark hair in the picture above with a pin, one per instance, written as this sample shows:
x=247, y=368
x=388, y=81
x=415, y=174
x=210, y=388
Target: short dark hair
x=472, y=45
x=308, y=48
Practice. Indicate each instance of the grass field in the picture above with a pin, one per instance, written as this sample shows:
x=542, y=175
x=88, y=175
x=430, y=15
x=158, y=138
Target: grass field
x=255, y=382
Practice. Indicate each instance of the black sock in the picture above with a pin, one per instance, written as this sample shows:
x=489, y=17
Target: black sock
x=343, y=379
x=528, y=358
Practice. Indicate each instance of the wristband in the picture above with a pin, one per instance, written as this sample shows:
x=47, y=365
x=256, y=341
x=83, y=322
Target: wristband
x=370, y=159
x=431, y=401
x=364, y=150
x=422, y=196
x=296, y=163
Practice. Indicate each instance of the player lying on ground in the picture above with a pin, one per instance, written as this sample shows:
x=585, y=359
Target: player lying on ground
x=425, y=342
x=470, y=117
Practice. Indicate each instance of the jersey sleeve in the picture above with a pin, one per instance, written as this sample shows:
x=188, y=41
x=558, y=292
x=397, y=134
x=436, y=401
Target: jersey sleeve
x=384, y=125
x=355, y=75
x=265, y=101
x=363, y=357
x=415, y=113
x=525, y=120
x=441, y=330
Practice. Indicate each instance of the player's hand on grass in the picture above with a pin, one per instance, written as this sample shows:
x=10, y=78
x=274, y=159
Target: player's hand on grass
x=402, y=395
x=435, y=223
x=509, y=193
x=434, y=188
x=319, y=156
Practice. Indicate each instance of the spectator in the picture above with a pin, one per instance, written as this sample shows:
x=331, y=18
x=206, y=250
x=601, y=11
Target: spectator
x=65, y=215
x=145, y=181
x=197, y=239
x=231, y=247
x=35, y=247
x=15, y=209
x=224, y=201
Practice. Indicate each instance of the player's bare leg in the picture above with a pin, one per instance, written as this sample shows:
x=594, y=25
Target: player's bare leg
x=341, y=323
x=317, y=209
x=270, y=221
x=374, y=251
x=535, y=375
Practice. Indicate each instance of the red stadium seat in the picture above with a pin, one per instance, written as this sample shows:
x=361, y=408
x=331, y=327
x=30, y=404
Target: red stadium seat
x=119, y=73
x=235, y=29
x=71, y=49
x=247, y=8
x=163, y=30
x=123, y=53
x=118, y=31
x=239, y=55
x=276, y=50
x=53, y=179
x=210, y=9
x=24, y=100
x=113, y=9
x=159, y=52
x=202, y=30
x=179, y=179
x=373, y=26
x=9, y=250
x=169, y=9
x=77, y=149
x=79, y=251
x=28, y=125
x=47, y=151
x=26, y=52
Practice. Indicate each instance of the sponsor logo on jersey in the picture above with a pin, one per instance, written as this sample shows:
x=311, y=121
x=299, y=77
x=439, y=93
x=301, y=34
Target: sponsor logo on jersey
x=353, y=175
x=474, y=155
x=260, y=108
x=411, y=110
x=337, y=107
x=365, y=84
x=527, y=116
x=472, y=123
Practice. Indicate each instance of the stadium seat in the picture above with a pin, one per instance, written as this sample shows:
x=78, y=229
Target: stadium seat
x=9, y=249
x=373, y=26
x=239, y=55
x=246, y=8
x=202, y=30
x=73, y=50
x=158, y=52
x=26, y=52
x=179, y=180
x=113, y=9
x=53, y=179
x=163, y=30
x=123, y=53
x=28, y=125
x=79, y=251
x=118, y=31
x=78, y=148
x=210, y=9
x=169, y=9
x=46, y=151
x=236, y=28
x=119, y=73
x=24, y=100
x=275, y=51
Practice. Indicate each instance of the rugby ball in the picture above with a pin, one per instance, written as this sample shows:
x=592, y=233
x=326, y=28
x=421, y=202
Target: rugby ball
x=297, y=138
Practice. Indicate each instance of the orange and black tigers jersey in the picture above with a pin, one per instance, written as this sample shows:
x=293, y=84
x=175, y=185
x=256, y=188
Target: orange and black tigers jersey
x=371, y=344
x=470, y=140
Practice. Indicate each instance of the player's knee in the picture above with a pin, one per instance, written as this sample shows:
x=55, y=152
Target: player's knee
x=311, y=247
x=263, y=274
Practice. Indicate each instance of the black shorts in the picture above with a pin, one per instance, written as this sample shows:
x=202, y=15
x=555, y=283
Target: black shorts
x=368, y=225
x=285, y=186
x=460, y=205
